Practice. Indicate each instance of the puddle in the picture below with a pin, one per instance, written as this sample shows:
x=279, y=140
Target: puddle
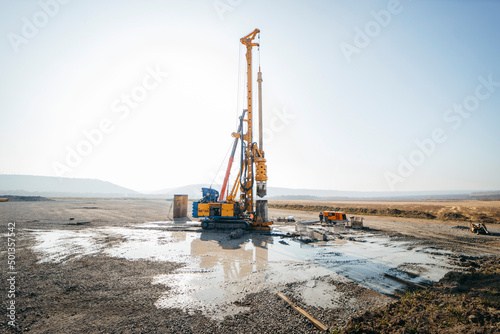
x=168, y=225
x=60, y=246
x=219, y=271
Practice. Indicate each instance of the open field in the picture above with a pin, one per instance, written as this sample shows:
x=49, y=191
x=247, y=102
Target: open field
x=474, y=210
x=122, y=266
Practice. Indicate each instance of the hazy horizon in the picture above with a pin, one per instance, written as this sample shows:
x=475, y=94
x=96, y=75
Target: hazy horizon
x=358, y=96
x=14, y=184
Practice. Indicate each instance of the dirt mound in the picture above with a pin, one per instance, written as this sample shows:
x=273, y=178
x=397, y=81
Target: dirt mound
x=467, y=302
x=453, y=216
x=13, y=198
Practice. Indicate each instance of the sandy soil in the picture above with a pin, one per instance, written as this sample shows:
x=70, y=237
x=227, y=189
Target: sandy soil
x=485, y=211
x=98, y=293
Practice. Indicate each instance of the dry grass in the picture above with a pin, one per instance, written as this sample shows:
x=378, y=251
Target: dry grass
x=484, y=211
x=462, y=302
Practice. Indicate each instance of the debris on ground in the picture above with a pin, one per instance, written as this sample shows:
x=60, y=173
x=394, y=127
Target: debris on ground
x=236, y=234
x=355, y=222
x=315, y=322
x=289, y=219
x=307, y=240
x=461, y=302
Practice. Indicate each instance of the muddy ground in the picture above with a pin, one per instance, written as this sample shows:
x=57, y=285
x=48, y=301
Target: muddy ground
x=96, y=293
x=467, y=302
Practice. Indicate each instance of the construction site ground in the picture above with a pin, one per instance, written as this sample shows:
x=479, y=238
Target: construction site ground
x=123, y=266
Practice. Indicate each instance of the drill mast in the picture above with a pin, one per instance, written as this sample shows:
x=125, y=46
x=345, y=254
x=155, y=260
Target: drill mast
x=253, y=154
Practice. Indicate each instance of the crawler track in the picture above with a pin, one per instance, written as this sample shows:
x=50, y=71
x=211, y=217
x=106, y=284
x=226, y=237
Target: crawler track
x=225, y=225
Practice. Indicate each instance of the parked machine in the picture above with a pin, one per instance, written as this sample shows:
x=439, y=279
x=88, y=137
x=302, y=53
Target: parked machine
x=332, y=217
x=223, y=210
x=478, y=228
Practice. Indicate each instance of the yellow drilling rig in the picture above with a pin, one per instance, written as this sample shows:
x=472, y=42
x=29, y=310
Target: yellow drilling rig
x=224, y=210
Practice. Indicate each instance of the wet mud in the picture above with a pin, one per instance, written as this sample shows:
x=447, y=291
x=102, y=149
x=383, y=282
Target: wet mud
x=129, y=270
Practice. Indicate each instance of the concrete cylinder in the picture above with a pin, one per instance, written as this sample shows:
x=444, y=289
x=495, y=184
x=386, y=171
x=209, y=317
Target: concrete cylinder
x=180, y=206
x=261, y=209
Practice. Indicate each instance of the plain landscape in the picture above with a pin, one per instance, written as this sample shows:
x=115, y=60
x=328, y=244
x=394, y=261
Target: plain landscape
x=233, y=166
x=125, y=266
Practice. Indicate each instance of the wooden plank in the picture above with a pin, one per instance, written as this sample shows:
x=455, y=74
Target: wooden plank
x=405, y=281
x=316, y=323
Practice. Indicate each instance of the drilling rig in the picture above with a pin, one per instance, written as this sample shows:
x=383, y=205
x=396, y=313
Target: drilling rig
x=225, y=210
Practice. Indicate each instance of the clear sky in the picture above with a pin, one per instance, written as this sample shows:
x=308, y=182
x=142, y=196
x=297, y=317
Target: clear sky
x=358, y=95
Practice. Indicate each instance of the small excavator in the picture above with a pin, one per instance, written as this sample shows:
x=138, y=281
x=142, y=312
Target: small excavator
x=224, y=210
x=478, y=228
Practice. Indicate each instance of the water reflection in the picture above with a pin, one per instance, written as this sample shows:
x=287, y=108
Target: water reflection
x=237, y=257
x=218, y=271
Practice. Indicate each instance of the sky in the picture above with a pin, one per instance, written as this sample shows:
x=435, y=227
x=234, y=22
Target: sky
x=357, y=95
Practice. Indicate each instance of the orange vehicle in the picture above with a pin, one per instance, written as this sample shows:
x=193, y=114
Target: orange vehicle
x=333, y=217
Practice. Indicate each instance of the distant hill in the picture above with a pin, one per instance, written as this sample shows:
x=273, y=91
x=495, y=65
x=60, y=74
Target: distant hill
x=29, y=185
x=278, y=193
x=487, y=195
x=13, y=198
x=339, y=195
x=60, y=187
x=193, y=191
